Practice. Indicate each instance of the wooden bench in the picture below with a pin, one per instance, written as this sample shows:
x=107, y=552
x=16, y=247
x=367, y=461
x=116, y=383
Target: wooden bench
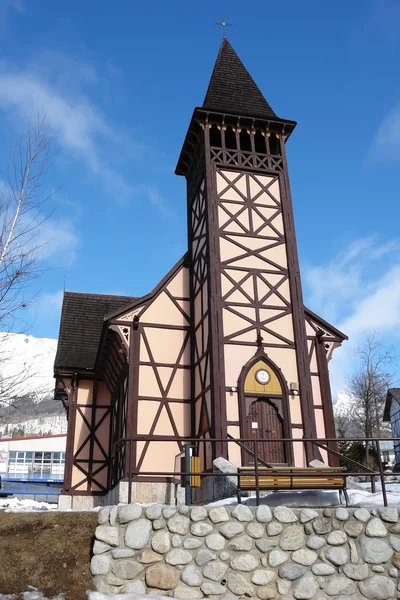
x=293, y=478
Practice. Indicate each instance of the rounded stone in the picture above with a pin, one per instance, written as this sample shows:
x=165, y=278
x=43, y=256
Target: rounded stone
x=176, y=541
x=244, y=543
x=212, y=589
x=179, y=524
x=375, y=528
x=291, y=571
x=378, y=569
x=242, y=512
x=327, y=512
x=182, y=592
x=244, y=562
x=134, y=587
x=255, y=530
x=239, y=586
x=262, y=577
x=322, y=569
x=198, y=513
x=356, y=572
x=362, y=514
x=229, y=530
x=218, y=515
x=304, y=557
x=192, y=543
x=203, y=556
x=274, y=528
x=215, y=541
x=306, y=587
x=153, y=511
x=159, y=524
x=162, y=577
x=122, y=553
x=101, y=586
x=283, y=586
x=177, y=556
x=114, y=514
x=322, y=526
x=378, y=587
x=266, y=544
x=339, y=585
x=308, y=514
x=148, y=557
x=104, y=514
x=395, y=542
x=130, y=512
x=224, y=556
x=126, y=568
x=263, y=514
x=277, y=558
x=353, y=528
x=342, y=514
x=375, y=550
x=283, y=514
x=100, y=547
x=191, y=575
x=169, y=511
x=336, y=538
x=315, y=542
x=100, y=564
x=389, y=514
x=393, y=572
x=107, y=534
x=292, y=538
x=137, y=534
x=161, y=542
x=337, y=555
x=266, y=593
x=215, y=570
x=183, y=509
x=201, y=529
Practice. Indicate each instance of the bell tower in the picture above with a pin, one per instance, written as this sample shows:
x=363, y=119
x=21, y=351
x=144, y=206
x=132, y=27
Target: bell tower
x=245, y=289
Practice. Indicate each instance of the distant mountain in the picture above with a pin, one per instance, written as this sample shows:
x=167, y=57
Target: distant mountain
x=27, y=405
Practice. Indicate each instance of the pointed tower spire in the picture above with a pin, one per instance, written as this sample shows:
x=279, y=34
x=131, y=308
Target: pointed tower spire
x=233, y=90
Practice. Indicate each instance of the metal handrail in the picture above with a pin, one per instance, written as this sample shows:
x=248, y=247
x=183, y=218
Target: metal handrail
x=367, y=472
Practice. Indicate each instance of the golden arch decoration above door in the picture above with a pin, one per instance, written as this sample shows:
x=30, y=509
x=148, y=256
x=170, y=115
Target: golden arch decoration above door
x=253, y=385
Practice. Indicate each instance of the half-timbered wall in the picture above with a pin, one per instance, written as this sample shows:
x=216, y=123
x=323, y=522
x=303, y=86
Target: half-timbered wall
x=256, y=295
x=160, y=398
x=89, y=417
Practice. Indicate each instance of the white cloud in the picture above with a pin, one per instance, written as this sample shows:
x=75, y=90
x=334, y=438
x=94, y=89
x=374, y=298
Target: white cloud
x=60, y=242
x=359, y=292
x=386, y=145
x=50, y=302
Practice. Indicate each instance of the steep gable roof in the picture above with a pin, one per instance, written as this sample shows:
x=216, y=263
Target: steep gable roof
x=82, y=319
x=233, y=90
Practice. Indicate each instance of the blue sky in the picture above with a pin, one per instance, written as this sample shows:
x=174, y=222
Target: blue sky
x=120, y=82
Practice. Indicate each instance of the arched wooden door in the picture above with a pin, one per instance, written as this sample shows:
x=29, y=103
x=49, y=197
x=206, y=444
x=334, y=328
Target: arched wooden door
x=265, y=423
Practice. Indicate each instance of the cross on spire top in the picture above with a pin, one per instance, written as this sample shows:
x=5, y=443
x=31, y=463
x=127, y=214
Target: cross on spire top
x=223, y=24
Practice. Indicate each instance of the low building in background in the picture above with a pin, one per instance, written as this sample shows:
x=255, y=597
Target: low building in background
x=33, y=467
x=392, y=414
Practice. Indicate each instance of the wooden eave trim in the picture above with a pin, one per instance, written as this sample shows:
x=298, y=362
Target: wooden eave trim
x=342, y=336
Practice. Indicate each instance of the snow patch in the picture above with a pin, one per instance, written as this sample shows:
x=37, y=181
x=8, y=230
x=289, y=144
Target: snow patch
x=26, y=505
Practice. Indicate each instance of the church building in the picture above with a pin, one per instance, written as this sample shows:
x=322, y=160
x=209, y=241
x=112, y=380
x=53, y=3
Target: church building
x=223, y=348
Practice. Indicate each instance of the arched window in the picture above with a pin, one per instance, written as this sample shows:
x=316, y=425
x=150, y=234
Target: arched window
x=245, y=143
x=274, y=144
x=215, y=137
x=230, y=138
x=259, y=142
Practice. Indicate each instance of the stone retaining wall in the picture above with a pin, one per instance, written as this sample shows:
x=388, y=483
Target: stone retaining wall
x=263, y=553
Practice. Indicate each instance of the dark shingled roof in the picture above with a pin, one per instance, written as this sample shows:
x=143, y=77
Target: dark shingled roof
x=82, y=319
x=233, y=90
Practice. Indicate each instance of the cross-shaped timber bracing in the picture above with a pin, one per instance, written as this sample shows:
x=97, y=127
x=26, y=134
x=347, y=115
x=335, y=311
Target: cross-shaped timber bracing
x=183, y=360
